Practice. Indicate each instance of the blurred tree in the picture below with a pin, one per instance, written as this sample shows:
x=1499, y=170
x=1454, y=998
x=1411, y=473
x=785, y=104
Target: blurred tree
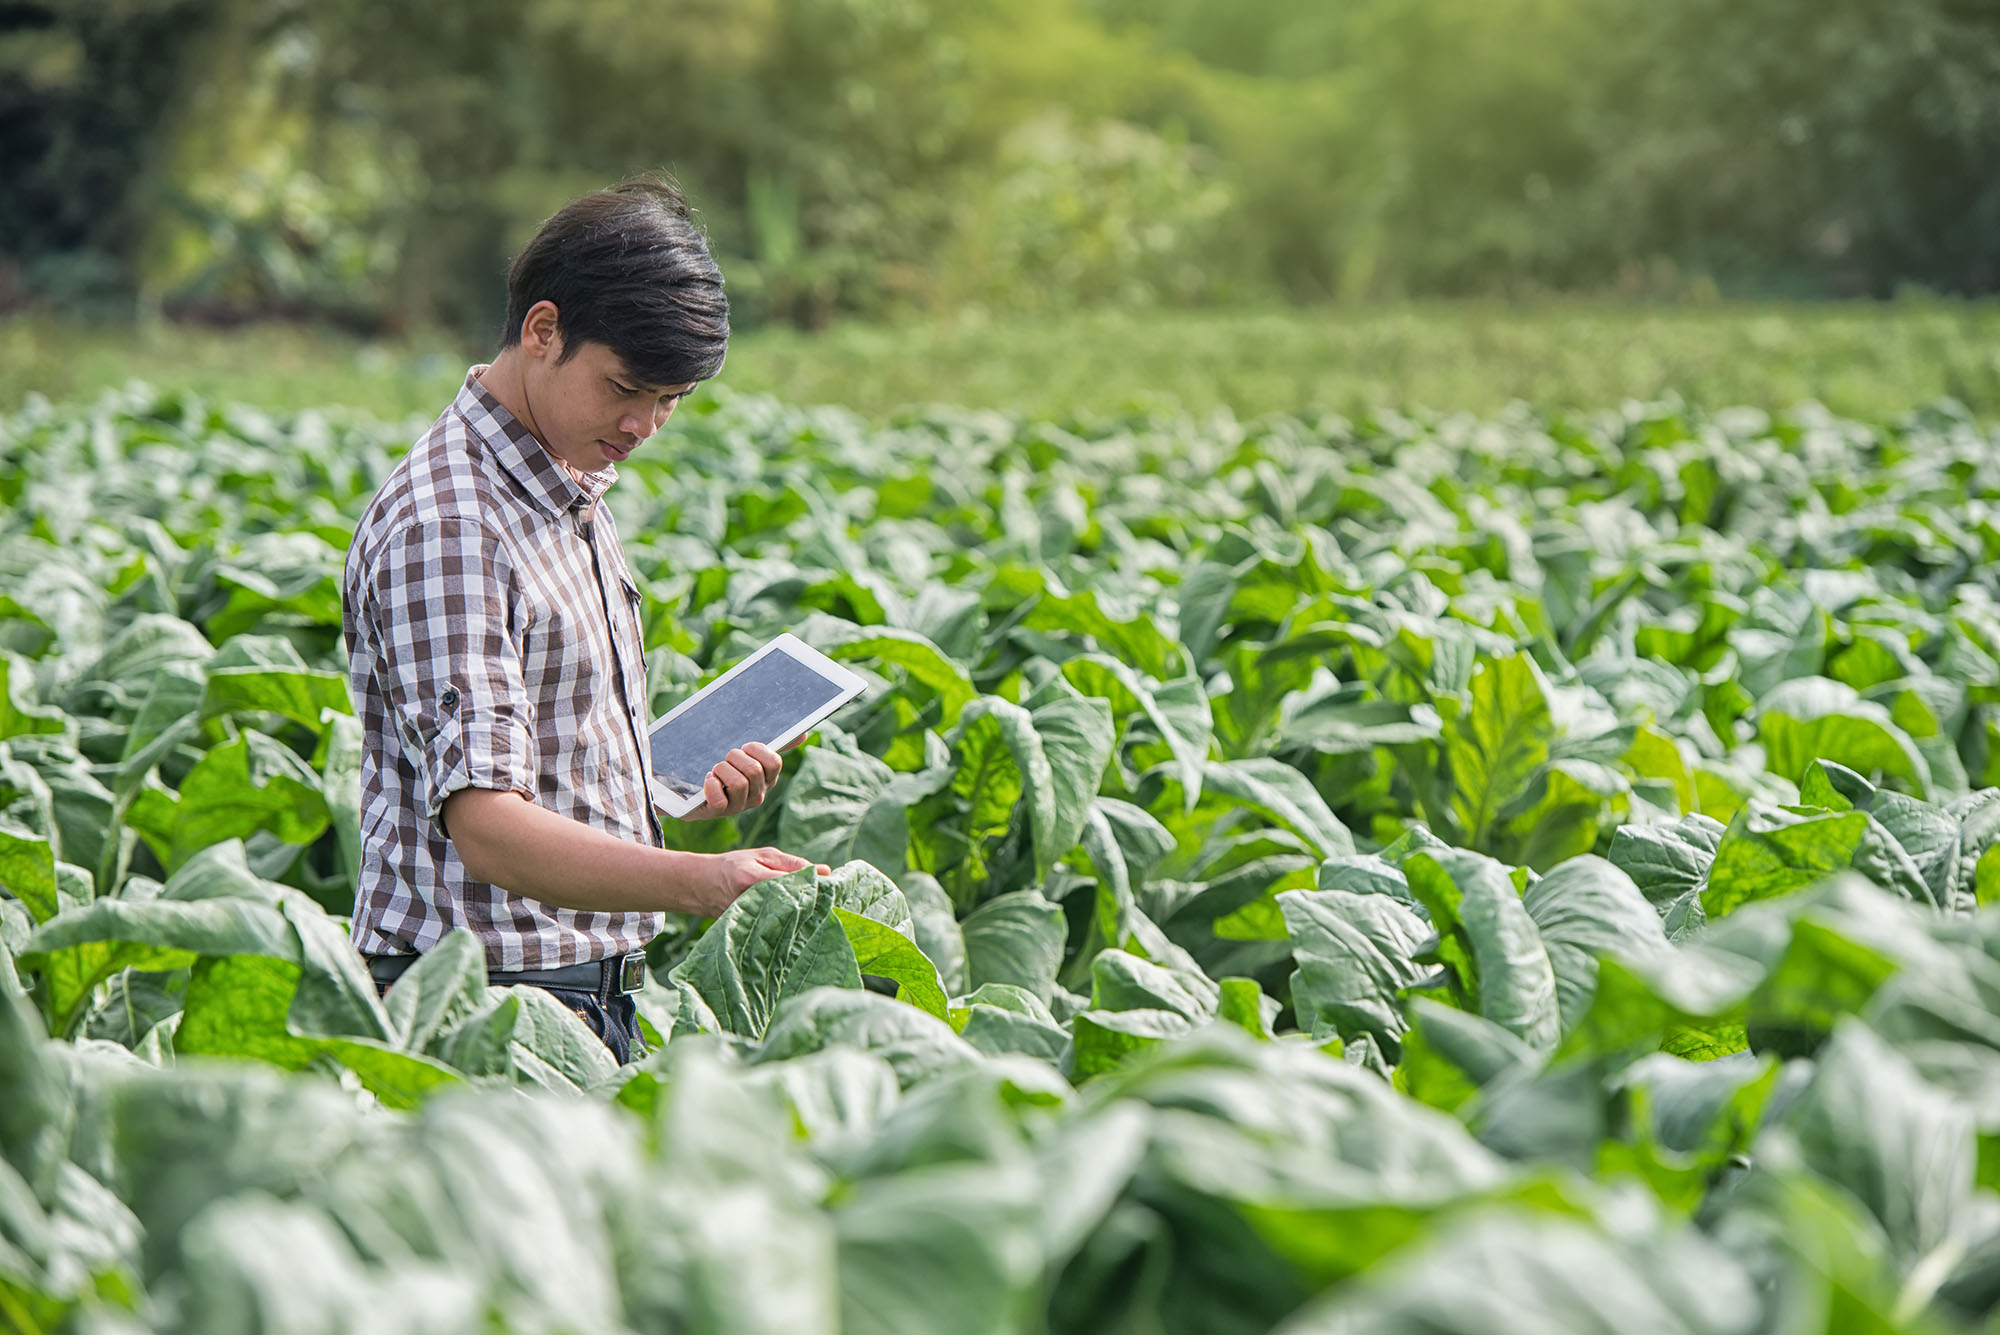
x=92, y=93
x=376, y=161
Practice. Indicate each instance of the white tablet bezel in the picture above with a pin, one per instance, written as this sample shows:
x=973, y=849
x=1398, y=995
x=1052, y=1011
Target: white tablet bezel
x=849, y=683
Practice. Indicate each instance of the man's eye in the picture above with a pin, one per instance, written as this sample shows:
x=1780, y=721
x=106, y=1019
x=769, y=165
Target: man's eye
x=622, y=389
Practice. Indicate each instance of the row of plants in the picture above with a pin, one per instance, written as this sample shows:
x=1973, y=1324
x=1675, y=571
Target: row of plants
x=1277, y=860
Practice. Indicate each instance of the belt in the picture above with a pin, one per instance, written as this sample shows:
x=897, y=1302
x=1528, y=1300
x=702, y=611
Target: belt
x=617, y=975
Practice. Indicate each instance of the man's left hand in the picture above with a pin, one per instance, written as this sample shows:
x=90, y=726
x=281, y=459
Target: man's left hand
x=739, y=783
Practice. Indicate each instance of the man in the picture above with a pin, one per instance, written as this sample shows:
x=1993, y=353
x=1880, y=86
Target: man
x=494, y=641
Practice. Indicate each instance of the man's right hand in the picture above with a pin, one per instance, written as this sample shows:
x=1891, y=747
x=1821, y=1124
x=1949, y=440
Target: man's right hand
x=739, y=869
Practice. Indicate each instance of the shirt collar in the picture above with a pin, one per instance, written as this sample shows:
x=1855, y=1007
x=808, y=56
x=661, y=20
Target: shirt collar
x=525, y=459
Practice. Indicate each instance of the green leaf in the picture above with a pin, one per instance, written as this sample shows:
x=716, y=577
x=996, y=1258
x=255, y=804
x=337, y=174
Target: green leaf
x=885, y=952
x=924, y=661
x=28, y=870
x=1488, y=938
x=917, y=1045
x=1275, y=790
x=1181, y=717
x=1496, y=742
x=1076, y=737
x=1015, y=938
x=20, y=713
x=1000, y=1018
x=935, y=928
x=240, y=787
x=1121, y=981
x=1869, y=1123
x=1813, y=718
x=1101, y=1041
x=957, y=1238
x=1356, y=953
x=1585, y=909
x=779, y=939
x=1449, y=1055
x=1666, y=861
x=1768, y=852
x=445, y=986
x=844, y=804
x=297, y=693
x=237, y=1006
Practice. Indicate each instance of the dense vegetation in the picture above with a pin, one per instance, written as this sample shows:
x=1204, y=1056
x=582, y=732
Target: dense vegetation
x=1386, y=875
x=376, y=163
x=1861, y=360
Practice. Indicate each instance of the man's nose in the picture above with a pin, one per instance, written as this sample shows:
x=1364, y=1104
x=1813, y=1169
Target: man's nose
x=643, y=425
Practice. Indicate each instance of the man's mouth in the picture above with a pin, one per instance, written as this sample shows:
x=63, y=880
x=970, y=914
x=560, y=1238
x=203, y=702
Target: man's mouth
x=617, y=452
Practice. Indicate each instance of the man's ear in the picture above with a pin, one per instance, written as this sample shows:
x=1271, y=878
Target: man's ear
x=538, y=331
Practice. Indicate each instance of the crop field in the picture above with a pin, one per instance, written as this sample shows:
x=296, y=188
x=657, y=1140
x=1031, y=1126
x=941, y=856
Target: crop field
x=1520, y=873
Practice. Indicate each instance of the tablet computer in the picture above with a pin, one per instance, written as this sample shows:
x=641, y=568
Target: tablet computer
x=775, y=696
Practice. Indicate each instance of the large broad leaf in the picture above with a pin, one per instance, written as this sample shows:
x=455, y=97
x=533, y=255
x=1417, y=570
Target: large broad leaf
x=300, y=694
x=887, y=953
x=1076, y=736
x=446, y=985
x=1001, y=1018
x=779, y=939
x=1495, y=741
x=1179, y=715
x=1015, y=938
x=20, y=712
x=1769, y=852
x=525, y=1035
x=124, y=674
x=28, y=869
x=213, y=907
x=1121, y=981
x=1002, y=766
x=237, y=1007
x=918, y=1046
x=1129, y=633
x=1526, y=1272
x=1277, y=791
x=924, y=661
x=1813, y=718
x=1489, y=942
x=1666, y=861
x=957, y=1238
x=291, y=578
x=1584, y=909
x=844, y=804
x=934, y=927
x=1869, y=1123
x=1932, y=836
x=1449, y=1055
x=252, y=783
x=1356, y=953
x=1102, y=1041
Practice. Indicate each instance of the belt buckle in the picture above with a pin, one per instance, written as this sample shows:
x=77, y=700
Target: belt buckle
x=632, y=973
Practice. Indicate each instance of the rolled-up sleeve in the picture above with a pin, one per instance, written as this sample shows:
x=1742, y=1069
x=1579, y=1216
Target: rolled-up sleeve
x=448, y=662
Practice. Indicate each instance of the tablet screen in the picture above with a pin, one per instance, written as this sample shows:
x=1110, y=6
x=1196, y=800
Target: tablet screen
x=764, y=701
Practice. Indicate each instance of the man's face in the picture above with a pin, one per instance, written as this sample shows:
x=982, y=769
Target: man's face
x=589, y=411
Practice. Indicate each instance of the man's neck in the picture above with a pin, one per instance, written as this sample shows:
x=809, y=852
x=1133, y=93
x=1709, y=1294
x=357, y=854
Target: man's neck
x=503, y=379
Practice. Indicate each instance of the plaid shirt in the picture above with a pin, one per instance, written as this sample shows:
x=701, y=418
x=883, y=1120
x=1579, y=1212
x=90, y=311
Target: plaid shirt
x=493, y=642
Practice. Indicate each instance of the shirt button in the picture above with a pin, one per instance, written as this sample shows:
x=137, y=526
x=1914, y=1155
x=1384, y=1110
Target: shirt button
x=448, y=700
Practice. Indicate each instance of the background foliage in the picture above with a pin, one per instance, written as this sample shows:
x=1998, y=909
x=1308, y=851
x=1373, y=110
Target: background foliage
x=377, y=162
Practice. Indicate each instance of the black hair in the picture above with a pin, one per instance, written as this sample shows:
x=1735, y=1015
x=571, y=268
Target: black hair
x=629, y=268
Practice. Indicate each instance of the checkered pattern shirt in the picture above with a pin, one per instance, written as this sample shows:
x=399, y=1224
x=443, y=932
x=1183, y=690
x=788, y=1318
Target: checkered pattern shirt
x=493, y=642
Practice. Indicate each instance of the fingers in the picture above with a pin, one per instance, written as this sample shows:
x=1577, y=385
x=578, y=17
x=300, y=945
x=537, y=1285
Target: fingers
x=766, y=759
x=781, y=861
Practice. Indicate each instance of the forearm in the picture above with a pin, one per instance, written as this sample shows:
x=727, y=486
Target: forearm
x=508, y=841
